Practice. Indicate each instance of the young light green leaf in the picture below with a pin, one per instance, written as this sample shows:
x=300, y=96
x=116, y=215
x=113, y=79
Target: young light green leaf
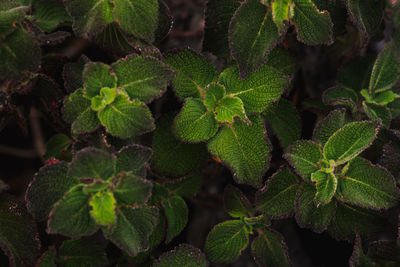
x=367, y=185
x=281, y=13
x=258, y=90
x=47, y=187
x=277, y=198
x=194, y=71
x=313, y=26
x=228, y=108
x=133, y=228
x=326, y=127
x=176, y=213
x=103, y=208
x=326, y=184
x=184, y=255
x=365, y=14
x=386, y=70
x=133, y=158
x=385, y=98
x=131, y=190
x=96, y=76
x=244, y=149
x=303, y=156
x=74, y=105
x=138, y=17
x=194, y=123
x=48, y=15
x=236, y=203
x=125, y=118
x=143, y=78
x=172, y=157
x=269, y=249
x=350, y=140
x=308, y=215
x=86, y=122
x=254, y=21
x=187, y=186
x=214, y=93
x=92, y=163
x=378, y=112
x=285, y=121
x=226, y=241
x=70, y=215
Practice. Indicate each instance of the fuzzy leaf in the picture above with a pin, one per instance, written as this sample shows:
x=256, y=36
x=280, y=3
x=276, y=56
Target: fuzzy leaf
x=176, y=213
x=226, y=241
x=92, y=163
x=254, y=21
x=277, y=198
x=280, y=13
x=258, y=90
x=96, y=76
x=131, y=190
x=340, y=95
x=358, y=258
x=138, y=17
x=244, y=149
x=184, y=255
x=313, y=26
x=185, y=187
x=236, y=203
x=48, y=15
x=47, y=187
x=194, y=123
x=269, y=249
x=349, y=141
x=367, y=185
x=171, y=156
x=86, y=122
x=378, y=112
x=143, y=78
x=103, y=208
x=282, y=60
x=133, y=228
x=356, y=74
x=285, y=121
x=57, y=147
x=308, y=215
x=385, y=98
x=326, y=127
x=303, y=156
x=132, y=159
x=326, y=184
x=124, y=118
x=228, y=108
x=218, y=17
x=72, y=74
x=10, y=15
x=365, y=14
x=74, y=105
x=194, y=73
x=214, y=93
x=70, y=215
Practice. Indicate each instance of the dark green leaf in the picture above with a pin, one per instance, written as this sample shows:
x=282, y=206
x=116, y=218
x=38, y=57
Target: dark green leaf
x=96, y=76
x=48, y=258
x=176, y=213
x=358, y=258
x=74, y=105
x=236, y=203
x=10, y=15
x=340, y=95
x=72, y=74
x=378, y=112
x=48, y=15
x=87, y=121
x=131, y=190
x=326, y=127
x=365, y=14
x=187, y=186
x=282, y=60
x=356, y=74
x=58, y=146
x=133, y=158
x=184, y=255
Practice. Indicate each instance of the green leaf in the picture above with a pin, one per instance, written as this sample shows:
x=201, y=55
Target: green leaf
x=143, y=78
x=194, y=73
x=74, y=105
x=133, y=158
x=70, y=215
x=58, y=147
x=340, y=95
x=350, y=140
x=308, y=215
x=96, y=76
x=106, y=97
x=133, y=228
x=92, y=163
x=187, y=186
x=176, y=212
x=72, y=74
x=47, y=187
x=184, y=255
x=285, y=121
x=228, y=108
x=226, y=241
x=10, y=15
x=269, y=249
x=194, y=123
x=378, y=112
x=172, y=157
x=367, y=15
x=386, y=70
x=103, y=208
x=280, y=13
x=244, y=148
x=82, y=252
x=254, y=21
x=367, y=185
x=337, y=12
x=124, y=118
x=313, y=26
x=236, y=203
x=277, y=198
x=138, y=17
x=218, y=17
x=19, y=52
x=303, y=156
x=48, y=258
x=326, y=127
x=356, y=74
x=131, y=190
x=385, y=98
x=18, y=233
x=214, y=93
x=86, y=122
x=326, y=184
x=358, y=258
x=282, y=60
x=48, y=15
x=258, y=90
x=89, y=17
